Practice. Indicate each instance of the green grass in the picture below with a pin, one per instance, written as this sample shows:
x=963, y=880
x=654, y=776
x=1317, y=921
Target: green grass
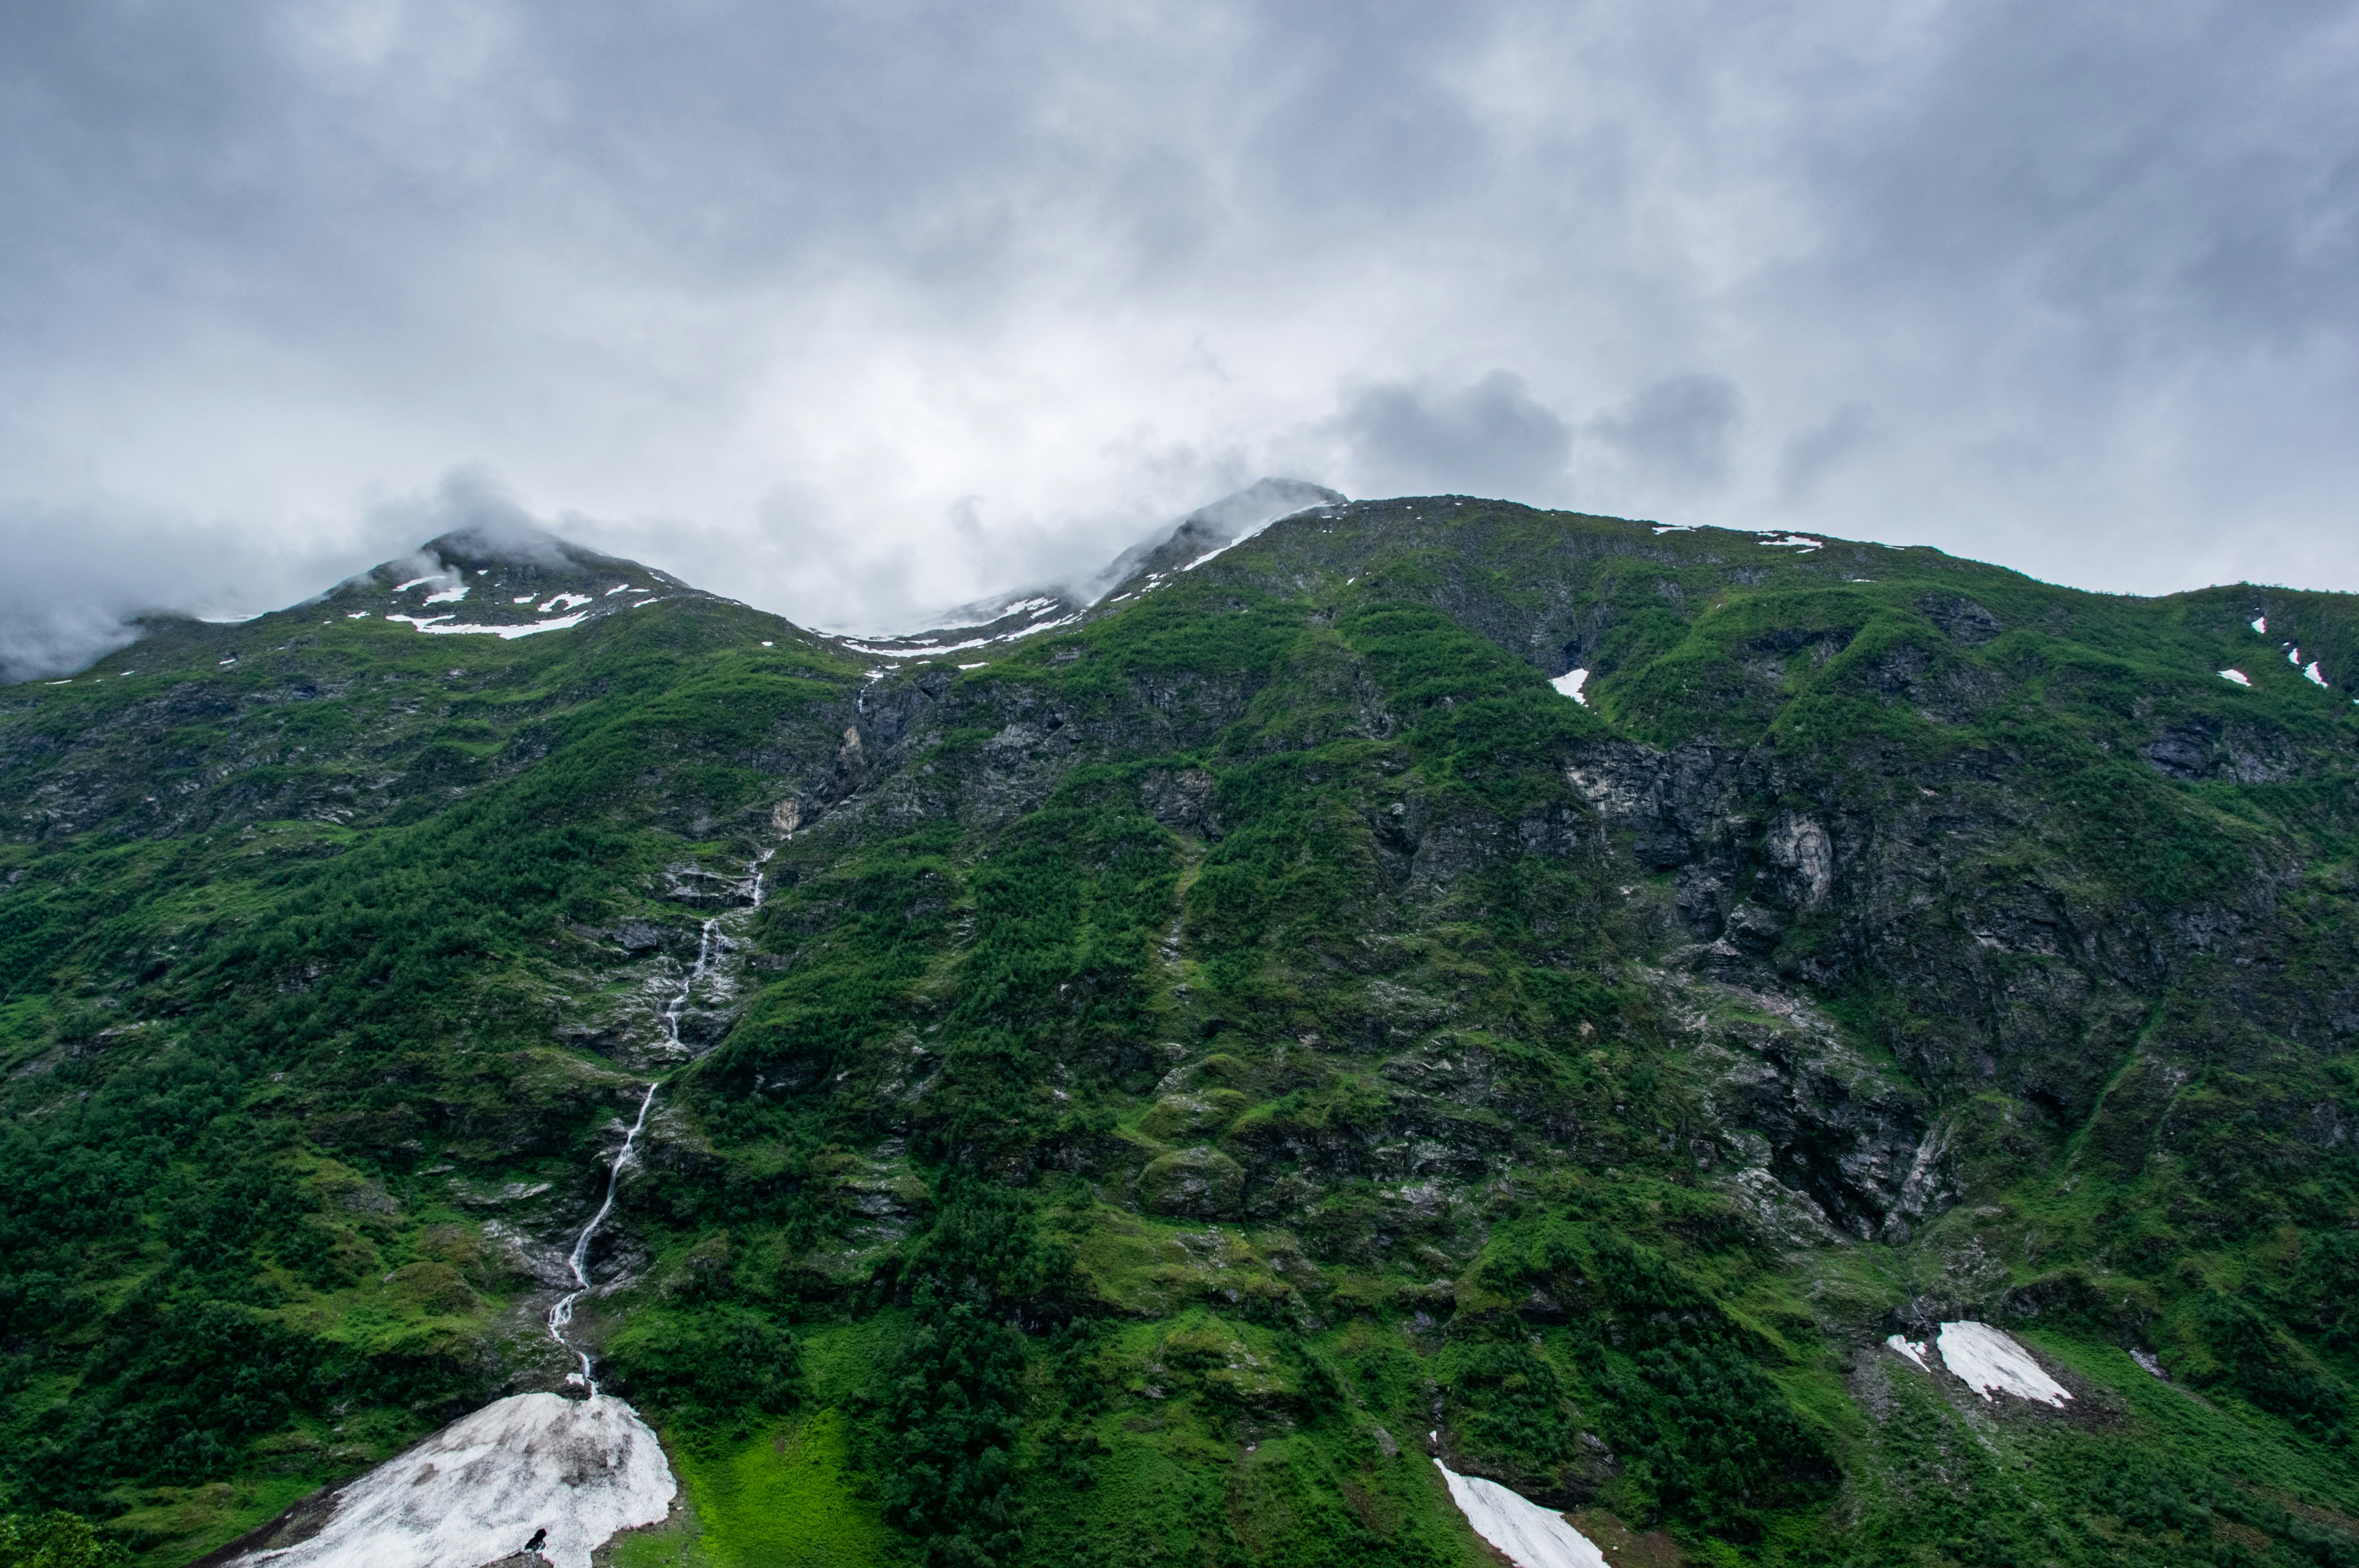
x=788, y=1496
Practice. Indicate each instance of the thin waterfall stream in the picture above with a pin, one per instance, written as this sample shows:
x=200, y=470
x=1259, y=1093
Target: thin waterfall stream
x=704, y=945
x=561, y=1314
x=708, y=946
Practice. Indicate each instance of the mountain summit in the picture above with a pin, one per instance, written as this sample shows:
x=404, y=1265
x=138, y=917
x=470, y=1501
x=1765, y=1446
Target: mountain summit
x=1402, y=1032
x=1198, y=536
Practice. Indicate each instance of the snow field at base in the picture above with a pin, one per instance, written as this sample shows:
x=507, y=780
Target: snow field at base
x=476, y=1491
x=2239, y=677
x=1530, y=1535
x=1989, y=1362
x=1569, y=683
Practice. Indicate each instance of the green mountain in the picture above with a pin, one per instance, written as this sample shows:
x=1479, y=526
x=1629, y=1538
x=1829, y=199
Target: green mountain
x=1120, y=1088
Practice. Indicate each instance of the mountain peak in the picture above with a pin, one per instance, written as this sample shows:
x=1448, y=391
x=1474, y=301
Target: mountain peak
x=1209, y=529
x=1199, y=536
x=501, y=577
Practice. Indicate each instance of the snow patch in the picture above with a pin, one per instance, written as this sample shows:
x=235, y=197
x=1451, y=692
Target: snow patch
x=521, y=599
x=616, y=588
x=1530, y=1535
x=2312, y=675
x=434, y=624
x=1569, y=683
x=2293, y=657
x=475, y=1492
x=1990, y=1362
x=1794, y=541
x=2261, y=625
x=2239, y=677
x=2151, y=1362
x=413, y=582
x=451, y=595
x=563, y=602
x=936, y=650
x=1663, y=528
x=921, y=650
x=358, y=615
x=1914, y=1349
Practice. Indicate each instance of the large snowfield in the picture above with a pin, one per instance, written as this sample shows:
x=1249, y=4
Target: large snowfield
x=477, y=1490
x=1989, y=1362
x=1531, y=1536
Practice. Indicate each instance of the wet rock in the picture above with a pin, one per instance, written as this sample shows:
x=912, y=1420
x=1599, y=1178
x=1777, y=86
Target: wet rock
x=640, y=935
x=1799, y=847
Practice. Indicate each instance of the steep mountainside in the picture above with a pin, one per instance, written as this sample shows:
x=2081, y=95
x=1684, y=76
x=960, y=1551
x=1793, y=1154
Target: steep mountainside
x=1119, y=1090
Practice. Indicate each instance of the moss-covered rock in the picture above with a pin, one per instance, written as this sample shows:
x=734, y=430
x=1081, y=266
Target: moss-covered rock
x=1193, y=1184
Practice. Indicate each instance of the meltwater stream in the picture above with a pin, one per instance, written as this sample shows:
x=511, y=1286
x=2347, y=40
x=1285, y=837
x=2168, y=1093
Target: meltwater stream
x=561, y=1315
x=709, y=943
x=705, y=943
x=532, y=1471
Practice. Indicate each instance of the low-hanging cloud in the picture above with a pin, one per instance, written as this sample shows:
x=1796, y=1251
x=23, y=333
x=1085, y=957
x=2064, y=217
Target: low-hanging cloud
x=1812, y=456
x=1489, y=438
x=773, y=293
x=1679, y=433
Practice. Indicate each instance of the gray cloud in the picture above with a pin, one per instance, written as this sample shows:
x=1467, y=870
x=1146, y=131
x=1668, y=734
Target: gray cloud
x=1810, y=455
x=1681, y=432
x=1489, y=438
x=767, y=292
x=76, y=576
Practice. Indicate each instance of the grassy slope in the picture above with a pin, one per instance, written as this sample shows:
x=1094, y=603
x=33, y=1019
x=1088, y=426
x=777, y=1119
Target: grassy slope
x=299, y=1037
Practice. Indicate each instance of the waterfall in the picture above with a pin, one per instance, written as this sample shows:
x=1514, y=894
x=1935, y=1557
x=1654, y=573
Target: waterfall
x=562, y=1315
x=704, y=945
x=710, y=943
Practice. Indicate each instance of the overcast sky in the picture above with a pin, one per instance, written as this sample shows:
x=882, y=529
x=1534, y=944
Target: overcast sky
x=854, y=310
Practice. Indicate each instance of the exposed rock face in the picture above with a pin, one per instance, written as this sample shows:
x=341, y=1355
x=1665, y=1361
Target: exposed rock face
x=1183, y=801
x=1799, y=847
x=2205, y=749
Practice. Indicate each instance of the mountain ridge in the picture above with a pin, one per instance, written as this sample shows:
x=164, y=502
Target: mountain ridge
x=1213, y=1042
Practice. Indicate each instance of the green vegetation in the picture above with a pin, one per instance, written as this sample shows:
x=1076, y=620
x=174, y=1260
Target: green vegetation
x=1176, y=1067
